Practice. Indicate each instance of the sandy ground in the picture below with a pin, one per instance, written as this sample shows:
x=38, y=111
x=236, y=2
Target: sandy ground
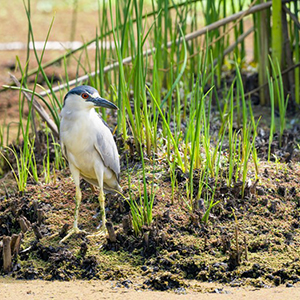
x=37, y=289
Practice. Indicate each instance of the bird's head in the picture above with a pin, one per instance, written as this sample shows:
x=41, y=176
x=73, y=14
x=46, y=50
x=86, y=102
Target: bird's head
x=86, y=97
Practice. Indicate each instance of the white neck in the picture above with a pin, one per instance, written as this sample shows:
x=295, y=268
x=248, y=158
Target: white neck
x=75, y=106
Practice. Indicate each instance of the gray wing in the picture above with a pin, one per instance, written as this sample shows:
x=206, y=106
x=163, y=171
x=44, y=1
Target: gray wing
x=107, y=149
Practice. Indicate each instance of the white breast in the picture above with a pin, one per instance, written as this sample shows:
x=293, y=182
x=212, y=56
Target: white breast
x=76, y=133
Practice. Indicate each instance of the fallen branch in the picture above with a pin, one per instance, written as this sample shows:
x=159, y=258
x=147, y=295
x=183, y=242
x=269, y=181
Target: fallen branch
x=265, y=84
x=292, y=16
x=239, y=40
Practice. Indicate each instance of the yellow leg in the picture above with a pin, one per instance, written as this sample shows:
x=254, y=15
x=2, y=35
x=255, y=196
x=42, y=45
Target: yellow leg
x=78, y=197
x=75, y=228
x=102, y=230
x=102, y=210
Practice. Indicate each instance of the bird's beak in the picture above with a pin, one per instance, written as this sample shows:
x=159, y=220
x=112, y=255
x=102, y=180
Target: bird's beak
x=103, y=103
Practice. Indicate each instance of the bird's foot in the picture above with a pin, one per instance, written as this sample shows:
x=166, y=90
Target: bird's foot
x=74, y=230
x=101, y=232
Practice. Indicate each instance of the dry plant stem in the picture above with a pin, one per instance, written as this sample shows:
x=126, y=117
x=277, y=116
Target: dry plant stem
x=127, y=224
x=6, y=254
x=236, y=233
x=40, y=216
x=163, y=237
x=146, y=239
x=24, y=224
x=149, y=52
x=35, y=207
x=111, y=232
x=37, y=231
x=26, y=221
x=16, y=243
x=44, y=115
x=14, y=238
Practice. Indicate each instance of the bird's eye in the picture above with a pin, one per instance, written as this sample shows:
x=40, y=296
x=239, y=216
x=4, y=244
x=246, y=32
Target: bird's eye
x=84, y=95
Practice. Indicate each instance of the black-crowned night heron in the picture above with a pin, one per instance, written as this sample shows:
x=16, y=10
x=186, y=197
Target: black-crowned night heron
x=88, y=145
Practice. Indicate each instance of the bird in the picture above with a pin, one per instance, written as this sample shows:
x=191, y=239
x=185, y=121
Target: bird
x=89, y=147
